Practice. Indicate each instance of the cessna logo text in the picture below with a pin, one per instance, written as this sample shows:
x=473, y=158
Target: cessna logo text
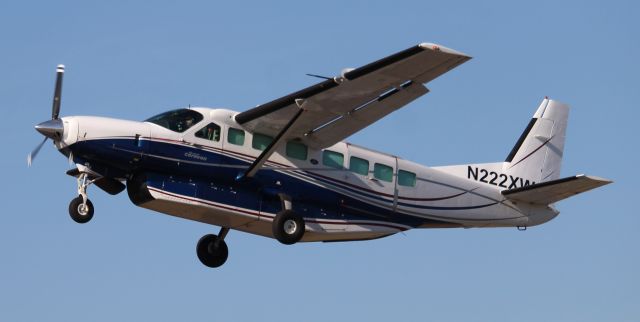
x=497, y=179
x=196, y=156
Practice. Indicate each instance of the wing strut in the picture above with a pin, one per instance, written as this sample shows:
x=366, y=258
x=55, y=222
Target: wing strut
x=262, y=158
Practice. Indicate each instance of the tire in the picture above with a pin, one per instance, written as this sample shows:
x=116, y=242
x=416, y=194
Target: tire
x=79, y=213
x=137, y=189
x=209, y=254
x=288, y=228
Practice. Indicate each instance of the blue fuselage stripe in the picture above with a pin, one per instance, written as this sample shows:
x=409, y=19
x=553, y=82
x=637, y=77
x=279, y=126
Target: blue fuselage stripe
x=207, y=165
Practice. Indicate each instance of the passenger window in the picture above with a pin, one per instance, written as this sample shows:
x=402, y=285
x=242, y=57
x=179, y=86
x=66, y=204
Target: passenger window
x=296, y=150
x=332, y=159
x=383, y=172
x=210, y=132
x=359, y=166
x=260, y=141
x=406, y=178
x=235, y=136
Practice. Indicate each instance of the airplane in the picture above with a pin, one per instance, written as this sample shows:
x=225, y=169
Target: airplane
x=282, y=170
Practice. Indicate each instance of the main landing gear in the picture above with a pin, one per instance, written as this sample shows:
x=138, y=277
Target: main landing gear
x=212, y=250
x=81, y=208
x=288, y=227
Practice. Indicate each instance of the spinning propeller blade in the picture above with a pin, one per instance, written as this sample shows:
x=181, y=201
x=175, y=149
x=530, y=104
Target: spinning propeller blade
x=35, y=151
x=70, y=160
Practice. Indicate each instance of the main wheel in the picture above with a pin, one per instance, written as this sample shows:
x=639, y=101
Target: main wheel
x=80, y=213
x=210, y=252
x=288, y=228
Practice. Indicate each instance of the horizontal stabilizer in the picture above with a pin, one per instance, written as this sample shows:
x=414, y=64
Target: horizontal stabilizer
x=552, y=191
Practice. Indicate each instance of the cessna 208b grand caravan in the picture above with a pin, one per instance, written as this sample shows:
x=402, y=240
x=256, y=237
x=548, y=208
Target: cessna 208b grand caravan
x=281, y=169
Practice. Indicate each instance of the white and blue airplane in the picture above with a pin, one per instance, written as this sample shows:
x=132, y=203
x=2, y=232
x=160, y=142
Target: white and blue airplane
x=282, y=169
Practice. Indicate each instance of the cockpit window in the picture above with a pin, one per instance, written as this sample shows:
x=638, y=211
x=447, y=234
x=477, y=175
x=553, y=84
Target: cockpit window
x=177, y=120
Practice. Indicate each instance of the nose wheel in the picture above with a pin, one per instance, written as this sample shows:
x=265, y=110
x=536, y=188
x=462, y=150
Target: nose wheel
x=81, y=208
x=81, y=211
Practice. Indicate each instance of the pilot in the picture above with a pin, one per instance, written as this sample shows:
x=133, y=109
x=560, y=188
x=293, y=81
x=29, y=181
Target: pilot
x=213, y=134
x=188, y=122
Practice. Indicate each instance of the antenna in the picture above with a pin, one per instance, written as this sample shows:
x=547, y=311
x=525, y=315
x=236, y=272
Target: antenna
x=318, y=76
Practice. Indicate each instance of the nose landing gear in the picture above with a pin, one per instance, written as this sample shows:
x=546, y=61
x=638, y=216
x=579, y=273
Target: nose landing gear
x=81, y=208
x=81, y=211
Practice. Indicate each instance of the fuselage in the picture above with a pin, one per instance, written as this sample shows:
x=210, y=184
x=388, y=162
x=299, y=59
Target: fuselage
x=344, y=192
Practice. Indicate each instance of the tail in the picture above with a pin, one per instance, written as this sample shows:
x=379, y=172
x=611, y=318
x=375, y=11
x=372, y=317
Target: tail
x=537, y=155
x=531, y=171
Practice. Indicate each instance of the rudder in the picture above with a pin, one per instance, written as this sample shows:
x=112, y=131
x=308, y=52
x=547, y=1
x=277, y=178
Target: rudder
x=537, y=155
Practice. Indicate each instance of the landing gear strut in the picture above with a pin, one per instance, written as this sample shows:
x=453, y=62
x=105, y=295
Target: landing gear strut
x=81, y=208
x=212, y=250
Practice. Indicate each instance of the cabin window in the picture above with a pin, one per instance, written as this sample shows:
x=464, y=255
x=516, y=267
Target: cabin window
x=210, y=132
x=406, y=178
x=177, y=120
x=332, y=159
x=383, y=172
x=260, y=141
x=235, y=136
x=359, y=166
x=296, y=150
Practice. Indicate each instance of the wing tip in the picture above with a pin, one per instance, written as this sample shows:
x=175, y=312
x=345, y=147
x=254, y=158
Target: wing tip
x=603, y=181
x=436, y=47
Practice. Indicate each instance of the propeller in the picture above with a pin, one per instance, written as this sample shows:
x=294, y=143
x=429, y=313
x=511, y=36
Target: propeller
x=35, y=151
x=57, y=94
x=51, y=129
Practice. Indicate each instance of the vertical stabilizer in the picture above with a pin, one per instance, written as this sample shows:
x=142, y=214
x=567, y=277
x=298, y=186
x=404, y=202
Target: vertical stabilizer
x=537, y=155
x=535, y=158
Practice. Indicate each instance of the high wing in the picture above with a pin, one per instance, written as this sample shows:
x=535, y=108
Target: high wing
x=338, y=107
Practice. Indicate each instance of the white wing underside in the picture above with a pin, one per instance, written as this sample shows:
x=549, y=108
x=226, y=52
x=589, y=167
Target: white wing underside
x=338, y=107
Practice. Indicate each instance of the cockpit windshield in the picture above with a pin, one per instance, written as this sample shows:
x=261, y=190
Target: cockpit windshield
x=177, y=120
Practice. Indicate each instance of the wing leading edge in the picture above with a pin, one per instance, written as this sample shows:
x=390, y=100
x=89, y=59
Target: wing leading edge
x=336, y=108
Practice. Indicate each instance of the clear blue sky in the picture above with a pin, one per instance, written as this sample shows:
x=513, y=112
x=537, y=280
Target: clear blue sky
x=131, y=60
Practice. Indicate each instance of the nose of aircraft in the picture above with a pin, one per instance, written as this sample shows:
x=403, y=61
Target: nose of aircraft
x=53, y=129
